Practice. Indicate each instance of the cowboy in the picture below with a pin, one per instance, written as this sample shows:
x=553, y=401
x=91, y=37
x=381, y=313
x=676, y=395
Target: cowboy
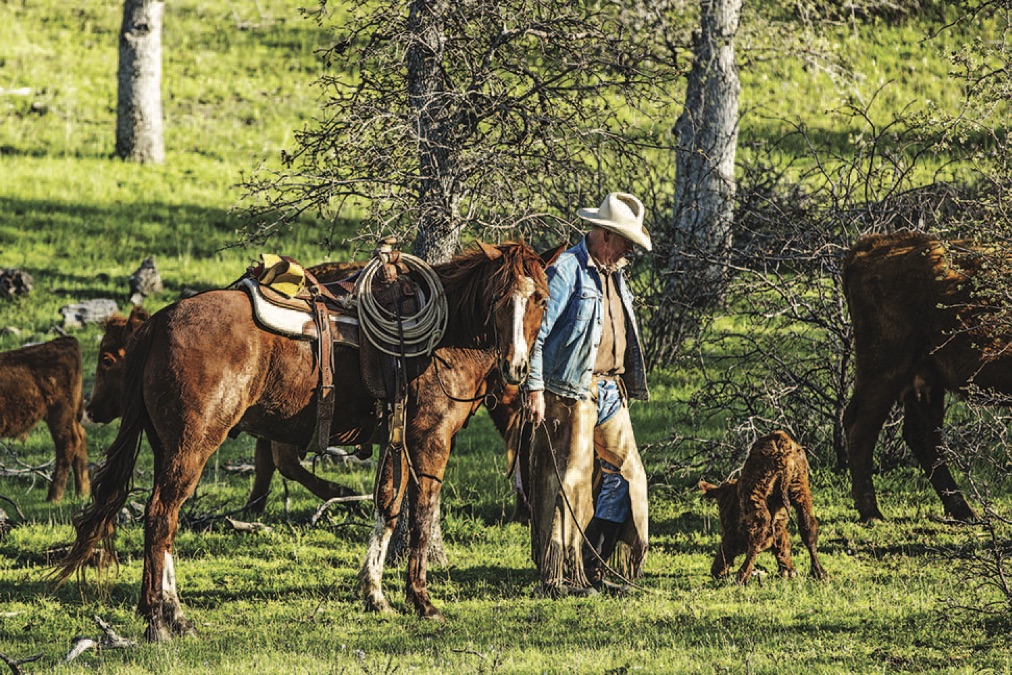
x=586, y=364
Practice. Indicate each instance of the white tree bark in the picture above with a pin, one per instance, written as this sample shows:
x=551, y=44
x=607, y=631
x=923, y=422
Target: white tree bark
x=139, y=134
x=707, y=132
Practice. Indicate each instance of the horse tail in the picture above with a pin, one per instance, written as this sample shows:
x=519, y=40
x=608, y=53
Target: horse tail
x=111, y=484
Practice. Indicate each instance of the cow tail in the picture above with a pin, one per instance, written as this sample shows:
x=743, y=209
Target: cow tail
x=112, y=481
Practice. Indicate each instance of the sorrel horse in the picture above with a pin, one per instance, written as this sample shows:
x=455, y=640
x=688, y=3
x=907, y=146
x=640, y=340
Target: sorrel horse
x=202, y=367
x=107, y=397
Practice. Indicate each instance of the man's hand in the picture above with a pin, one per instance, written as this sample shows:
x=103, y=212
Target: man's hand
x=536, y=407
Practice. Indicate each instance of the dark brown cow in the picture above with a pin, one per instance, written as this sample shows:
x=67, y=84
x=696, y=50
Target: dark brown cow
x=43, y=383
x=916, y=337
x=754, y=508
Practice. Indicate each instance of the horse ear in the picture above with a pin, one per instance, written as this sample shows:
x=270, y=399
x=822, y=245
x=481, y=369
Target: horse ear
x=491, y=252
x=549, y=256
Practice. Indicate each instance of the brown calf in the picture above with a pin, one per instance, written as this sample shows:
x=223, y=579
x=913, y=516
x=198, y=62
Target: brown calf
x=754, y=508
x=43, y=382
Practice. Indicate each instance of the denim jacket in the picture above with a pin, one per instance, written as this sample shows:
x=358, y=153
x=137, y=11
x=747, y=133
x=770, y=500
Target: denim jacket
x=566, y=347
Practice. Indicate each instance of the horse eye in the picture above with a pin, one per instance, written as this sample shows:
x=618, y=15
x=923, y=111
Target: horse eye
x=107, y=360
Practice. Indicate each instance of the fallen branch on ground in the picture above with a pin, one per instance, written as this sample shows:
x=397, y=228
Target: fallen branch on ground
x=109, y=640
x=15, y=665
x=336, y=500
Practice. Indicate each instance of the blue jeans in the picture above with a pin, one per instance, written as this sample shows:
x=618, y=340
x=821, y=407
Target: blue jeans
x=613, y=503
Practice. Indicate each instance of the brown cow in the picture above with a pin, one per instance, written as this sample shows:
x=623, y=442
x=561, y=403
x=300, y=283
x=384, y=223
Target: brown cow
x=916, y=336
x=754, y=508
x=43, y=382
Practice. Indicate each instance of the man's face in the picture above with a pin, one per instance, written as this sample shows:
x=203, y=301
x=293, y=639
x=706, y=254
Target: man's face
x=612, y=247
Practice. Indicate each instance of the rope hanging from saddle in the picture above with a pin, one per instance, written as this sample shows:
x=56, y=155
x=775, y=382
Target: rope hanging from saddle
x=389, y=331
x=402, y=313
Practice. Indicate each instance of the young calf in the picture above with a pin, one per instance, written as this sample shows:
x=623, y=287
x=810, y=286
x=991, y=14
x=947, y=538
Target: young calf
x=754, y=508
x=43, y=382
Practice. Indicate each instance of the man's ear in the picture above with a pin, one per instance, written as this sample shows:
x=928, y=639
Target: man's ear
x=549, y=256
x=491, y=252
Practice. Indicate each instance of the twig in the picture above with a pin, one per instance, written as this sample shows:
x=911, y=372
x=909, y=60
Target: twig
x=15, y=665
x=241, y=526
x=336, y=500
x=110, y=640
x=17, y=509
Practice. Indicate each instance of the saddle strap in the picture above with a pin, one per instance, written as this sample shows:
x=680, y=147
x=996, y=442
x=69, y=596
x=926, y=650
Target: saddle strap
x=325, y=354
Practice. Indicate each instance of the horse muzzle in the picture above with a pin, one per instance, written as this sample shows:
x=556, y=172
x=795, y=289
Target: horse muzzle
x=515, y=373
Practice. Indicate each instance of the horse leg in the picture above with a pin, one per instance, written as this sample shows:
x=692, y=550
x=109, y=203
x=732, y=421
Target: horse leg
x=287, y=458
x=263, y=472
x=923, y=415
x=175, y=480
x=424, y=505
x=391, y=480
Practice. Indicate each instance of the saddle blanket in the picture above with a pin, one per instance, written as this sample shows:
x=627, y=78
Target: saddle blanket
x=297, y=322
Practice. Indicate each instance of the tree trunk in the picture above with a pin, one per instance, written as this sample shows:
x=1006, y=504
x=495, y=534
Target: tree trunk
x=139, y=104
x=439, y=227
x=707, y=132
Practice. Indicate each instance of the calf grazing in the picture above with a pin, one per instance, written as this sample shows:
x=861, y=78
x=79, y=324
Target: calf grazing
x=754, y=508
x=918, y=333
x=43, y=382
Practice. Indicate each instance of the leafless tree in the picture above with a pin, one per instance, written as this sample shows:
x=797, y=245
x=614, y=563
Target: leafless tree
x=494, y=117
x=139, y=135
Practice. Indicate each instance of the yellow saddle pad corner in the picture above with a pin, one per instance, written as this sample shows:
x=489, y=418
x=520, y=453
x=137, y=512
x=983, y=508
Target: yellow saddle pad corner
x=284, y=275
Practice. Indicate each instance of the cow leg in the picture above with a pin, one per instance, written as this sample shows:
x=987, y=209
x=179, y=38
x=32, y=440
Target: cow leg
x=757, y=524
x=923, y=415
x=863, y=420
x=71, y=453
x=782, y=552
x=263, y=472
x=722, y=561
x=808, y=526
x=391, y=481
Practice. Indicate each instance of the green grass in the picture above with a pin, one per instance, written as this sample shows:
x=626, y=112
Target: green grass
x=285, y=600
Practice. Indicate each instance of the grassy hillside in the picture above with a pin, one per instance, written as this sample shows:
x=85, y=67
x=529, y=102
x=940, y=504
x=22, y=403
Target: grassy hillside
x=238, y=80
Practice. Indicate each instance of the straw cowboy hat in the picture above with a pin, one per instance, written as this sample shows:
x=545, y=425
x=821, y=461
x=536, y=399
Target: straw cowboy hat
x=622, y=213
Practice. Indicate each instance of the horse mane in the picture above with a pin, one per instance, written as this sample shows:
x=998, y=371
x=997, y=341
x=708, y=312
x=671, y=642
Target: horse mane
x=475, y=284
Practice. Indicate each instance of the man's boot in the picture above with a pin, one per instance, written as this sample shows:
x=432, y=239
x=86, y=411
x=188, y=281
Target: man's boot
x=602, y=537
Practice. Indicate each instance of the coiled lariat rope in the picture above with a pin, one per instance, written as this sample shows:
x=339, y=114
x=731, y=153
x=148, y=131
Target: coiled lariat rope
x=406, y=336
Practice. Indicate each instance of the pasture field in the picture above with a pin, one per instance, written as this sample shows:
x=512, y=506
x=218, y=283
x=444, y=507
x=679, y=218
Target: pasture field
x=902, y=595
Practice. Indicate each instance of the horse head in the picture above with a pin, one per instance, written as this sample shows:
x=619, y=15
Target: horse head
x=521, y=291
